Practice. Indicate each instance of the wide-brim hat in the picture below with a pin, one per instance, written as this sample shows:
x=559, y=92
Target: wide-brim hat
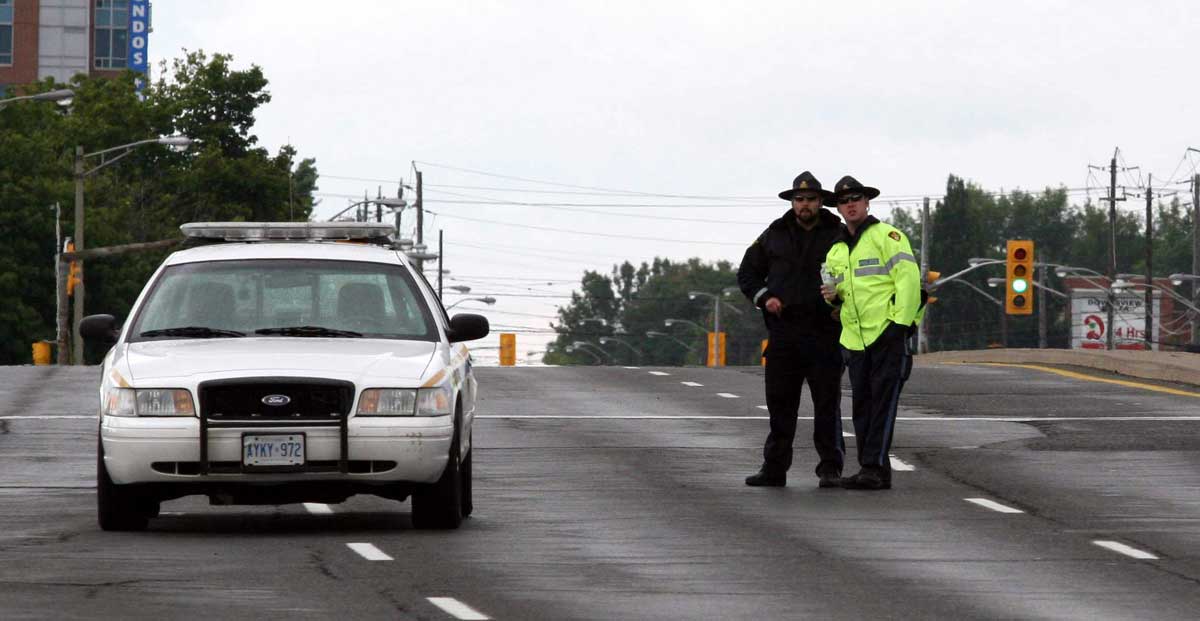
x=849, y=185
x=805, y=182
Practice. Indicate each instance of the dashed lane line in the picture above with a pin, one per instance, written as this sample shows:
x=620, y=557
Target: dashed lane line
x=993, y=505
x=369, y=552
x=457, y=609
x=317, y=508
x=727, y=395
x=691, y=383
x=634, y=368
x=901, y=465
x=660, y=373
x=1129, y=551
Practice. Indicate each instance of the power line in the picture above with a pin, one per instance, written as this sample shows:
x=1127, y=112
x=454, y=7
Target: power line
x=590, y=233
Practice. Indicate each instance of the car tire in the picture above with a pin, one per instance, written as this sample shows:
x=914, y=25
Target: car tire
x=467, y=504
x=440, y=505
x=118, y=508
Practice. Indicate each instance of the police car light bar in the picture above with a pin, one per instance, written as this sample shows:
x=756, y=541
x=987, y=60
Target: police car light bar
x=298, y=231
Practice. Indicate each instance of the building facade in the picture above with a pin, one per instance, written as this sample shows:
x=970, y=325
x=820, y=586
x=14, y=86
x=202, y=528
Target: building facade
x=61, y=38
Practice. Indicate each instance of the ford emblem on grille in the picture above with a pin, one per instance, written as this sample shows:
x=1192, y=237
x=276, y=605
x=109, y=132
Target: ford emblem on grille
x=276, y=400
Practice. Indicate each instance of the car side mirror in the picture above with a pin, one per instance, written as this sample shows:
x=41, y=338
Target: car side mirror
x=467, y=327
x=102, y=328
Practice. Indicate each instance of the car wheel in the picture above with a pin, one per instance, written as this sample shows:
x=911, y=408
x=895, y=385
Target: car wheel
x=440, y=505
x=117, y=507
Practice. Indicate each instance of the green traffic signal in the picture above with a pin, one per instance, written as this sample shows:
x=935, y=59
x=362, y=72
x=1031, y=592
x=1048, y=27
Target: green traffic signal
x=1020, y=285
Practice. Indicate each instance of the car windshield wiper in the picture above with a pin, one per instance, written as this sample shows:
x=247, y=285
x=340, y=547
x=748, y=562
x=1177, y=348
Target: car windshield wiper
x=196, y=332
x=308, y=331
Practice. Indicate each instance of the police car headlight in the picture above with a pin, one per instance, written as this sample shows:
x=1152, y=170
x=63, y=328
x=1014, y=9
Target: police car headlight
x=434, y=401
x=148, y=402
x=405, y=402
x=387, y=402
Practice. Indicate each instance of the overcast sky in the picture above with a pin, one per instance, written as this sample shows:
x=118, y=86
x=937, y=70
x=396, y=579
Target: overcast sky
x=605, y=113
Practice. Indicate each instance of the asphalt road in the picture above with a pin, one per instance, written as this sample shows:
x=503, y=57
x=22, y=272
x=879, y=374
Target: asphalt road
x=616, y=493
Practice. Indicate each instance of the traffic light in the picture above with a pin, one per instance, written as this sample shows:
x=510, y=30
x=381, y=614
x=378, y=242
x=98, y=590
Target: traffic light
x=930, y=278
x=1018, y=297
x=73, y=277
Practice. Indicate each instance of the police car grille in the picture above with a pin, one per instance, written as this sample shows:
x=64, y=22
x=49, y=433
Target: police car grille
x=264, y=400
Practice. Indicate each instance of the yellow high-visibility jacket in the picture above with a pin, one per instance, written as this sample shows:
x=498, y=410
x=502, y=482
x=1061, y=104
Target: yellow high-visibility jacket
x=878, y=282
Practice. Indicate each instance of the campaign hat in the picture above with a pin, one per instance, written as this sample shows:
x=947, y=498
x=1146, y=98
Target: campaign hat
x=805, y=182
x=850, y=185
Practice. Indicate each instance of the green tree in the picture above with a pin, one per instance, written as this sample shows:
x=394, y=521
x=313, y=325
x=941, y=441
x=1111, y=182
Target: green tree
x=144, y=197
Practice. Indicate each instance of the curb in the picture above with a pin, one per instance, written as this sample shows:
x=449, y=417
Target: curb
x=1164, y=366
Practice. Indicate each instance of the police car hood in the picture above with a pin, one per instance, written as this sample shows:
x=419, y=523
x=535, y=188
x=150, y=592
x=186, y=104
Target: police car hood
x=351, y=359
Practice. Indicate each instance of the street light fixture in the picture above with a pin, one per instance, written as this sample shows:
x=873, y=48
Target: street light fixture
x=489, y=300
x=590, y=347
x=657, y=334
x=609, y=339
x=176, y=143
x=670, y=322
x=460, y=288
x=1177, y=279
x=63, y=97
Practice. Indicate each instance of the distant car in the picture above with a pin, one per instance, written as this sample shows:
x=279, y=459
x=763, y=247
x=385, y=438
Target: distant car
x=276, y=363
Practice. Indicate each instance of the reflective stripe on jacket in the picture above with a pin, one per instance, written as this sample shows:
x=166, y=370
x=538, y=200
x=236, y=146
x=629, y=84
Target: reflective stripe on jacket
x=879, y=282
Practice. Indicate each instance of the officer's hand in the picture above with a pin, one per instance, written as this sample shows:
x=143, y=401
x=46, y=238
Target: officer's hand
x=774, y=306
x=829, y=292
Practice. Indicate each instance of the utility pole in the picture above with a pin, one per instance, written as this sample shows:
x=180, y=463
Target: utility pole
x=1112, y=248
x=439, y=264
x=379, y=206
x=1112, y=244
x=1041, y=296
x=77, y=340
x=1195, y=254
x=1149, y=259
x=420, y=220
x=922, y=344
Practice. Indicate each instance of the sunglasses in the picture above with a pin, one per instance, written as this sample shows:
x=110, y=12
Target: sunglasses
x=806, y=197
x=849, y=198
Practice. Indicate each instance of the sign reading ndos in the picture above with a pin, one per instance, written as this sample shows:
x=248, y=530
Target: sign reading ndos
x=139, y=38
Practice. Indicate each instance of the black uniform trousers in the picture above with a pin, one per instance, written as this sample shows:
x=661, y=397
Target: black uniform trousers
x=877, y=374
x=819, y=362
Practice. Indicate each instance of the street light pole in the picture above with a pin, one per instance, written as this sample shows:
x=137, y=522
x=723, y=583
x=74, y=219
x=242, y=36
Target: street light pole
x=80, y=173
x=76, y=339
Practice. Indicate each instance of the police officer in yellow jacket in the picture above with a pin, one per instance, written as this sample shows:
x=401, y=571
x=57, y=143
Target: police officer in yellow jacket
x=876, y=285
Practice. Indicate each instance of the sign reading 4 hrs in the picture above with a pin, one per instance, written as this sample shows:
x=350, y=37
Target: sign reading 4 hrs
x=1089, y=320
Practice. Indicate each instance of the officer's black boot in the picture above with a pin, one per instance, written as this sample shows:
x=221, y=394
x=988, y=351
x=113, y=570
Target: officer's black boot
x=766, y=478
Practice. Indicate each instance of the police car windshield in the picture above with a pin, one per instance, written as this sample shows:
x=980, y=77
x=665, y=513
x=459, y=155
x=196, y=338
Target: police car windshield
x=374, y=300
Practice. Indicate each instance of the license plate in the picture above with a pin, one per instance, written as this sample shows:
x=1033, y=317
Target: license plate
x=273, y=450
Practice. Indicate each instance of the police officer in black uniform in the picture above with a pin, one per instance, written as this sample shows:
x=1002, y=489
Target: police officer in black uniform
x=780, y=274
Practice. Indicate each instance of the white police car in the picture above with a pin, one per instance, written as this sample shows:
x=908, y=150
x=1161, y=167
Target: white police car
x=276, y=363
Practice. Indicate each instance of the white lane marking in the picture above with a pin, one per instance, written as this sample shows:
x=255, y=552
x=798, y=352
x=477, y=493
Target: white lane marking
x=1121, y=548
x=458, y=609
x=691, y=383
x=914, y=419
x=657, y=373
x=761, y=407
x=47, y=416
x=317, y=508
x=631, y=367
x=617, y=417
x=369, y=552
x=993, y=505
x=727, y=395
x=900, y=464
x=847, y=434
